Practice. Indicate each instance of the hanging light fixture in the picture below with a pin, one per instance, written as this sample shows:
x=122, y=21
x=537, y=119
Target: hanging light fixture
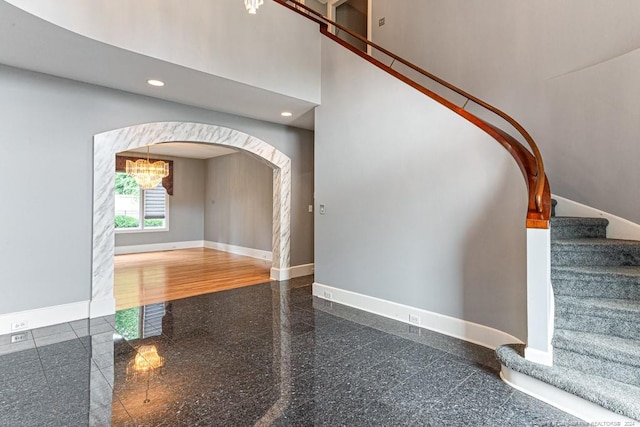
x=148, y=175
x=253, y=5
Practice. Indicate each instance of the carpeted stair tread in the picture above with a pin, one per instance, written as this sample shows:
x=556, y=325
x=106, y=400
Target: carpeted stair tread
x=619, y=282
x=606, y=347
x=613, y=395
x=596, y=366
x=599, y=307
x=567, y=227
x=598, y=242
x=620, y=271
x=602, y=316
x=595, y=251
x=563, y=220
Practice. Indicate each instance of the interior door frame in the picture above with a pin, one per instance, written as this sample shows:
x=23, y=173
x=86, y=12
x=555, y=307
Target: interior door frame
x=332, y=5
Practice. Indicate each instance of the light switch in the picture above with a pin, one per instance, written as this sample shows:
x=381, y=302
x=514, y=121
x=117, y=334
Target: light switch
x=310, y=208
x=321, y=209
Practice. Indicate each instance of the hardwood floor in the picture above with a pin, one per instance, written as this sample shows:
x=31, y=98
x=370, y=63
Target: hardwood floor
x=148, y=278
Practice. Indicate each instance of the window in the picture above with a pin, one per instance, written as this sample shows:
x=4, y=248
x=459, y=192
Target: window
x=137, y=209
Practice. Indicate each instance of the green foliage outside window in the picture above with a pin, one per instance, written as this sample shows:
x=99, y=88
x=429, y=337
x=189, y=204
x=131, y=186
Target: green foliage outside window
x=124, y=221
x=154, y=223
x=126, y=185
x=128, y=323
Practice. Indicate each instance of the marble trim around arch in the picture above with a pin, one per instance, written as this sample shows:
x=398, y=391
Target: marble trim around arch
x=105, y=147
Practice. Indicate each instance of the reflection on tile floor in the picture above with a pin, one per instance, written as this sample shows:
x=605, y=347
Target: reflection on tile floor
x=264, y=355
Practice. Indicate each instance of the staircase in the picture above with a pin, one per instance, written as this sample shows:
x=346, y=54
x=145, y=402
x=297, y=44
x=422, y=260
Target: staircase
x=596, y=285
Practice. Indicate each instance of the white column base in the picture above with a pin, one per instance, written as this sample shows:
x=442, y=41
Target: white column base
x=102, y=307
x=537, y=356
x=292, y=272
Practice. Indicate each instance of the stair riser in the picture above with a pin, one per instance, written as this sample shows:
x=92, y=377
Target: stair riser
x=585, y=255
x=598, y=325
x=595, y=286
x=577, y=231
x=596, y=366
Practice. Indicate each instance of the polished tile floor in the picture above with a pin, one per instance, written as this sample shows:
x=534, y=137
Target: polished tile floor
x=264, y=355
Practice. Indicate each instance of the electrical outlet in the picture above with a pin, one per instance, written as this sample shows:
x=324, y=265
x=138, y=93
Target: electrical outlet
x=19, y=325
x=18, y=338
x=414, y=319
x=380, y=22
x=414, y=330
x=327, y=295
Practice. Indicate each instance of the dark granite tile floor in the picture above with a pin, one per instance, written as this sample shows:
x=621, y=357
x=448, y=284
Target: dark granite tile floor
x=264, y=355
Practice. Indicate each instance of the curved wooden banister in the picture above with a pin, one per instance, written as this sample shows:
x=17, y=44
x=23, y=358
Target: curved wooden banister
x=530, y=163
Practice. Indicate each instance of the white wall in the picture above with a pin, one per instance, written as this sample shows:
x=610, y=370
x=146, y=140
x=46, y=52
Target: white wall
x=45, y=242
x=422, y=207
x=216, y=37
x=567, y=71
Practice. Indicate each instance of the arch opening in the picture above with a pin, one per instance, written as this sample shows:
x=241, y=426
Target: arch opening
x=105, y=147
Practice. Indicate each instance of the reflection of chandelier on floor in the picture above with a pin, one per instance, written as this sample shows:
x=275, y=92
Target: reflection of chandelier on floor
x=253, y=5
x=148, y=175
x=146, y=363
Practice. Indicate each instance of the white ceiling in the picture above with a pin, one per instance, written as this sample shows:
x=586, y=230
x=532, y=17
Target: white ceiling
x=184, y=149
x=34, y=44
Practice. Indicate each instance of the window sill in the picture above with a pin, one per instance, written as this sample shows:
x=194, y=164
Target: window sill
x=138, y=230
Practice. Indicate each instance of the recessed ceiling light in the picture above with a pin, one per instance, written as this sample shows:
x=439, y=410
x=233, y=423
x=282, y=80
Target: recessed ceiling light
x=153, y=82
x=286, y=114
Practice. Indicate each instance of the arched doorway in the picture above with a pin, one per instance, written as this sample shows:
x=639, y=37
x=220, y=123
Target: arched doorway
x=105, y=147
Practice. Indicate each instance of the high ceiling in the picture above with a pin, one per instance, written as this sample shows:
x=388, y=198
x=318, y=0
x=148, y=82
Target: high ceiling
x=31, y=43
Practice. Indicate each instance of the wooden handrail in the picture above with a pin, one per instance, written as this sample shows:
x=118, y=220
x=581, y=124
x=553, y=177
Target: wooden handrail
x=533, y=168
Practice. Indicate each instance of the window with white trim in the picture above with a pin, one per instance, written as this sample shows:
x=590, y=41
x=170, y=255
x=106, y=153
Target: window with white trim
x=139, y=210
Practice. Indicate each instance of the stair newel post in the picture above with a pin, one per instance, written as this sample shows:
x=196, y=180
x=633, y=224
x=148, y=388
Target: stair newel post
x=540, y=310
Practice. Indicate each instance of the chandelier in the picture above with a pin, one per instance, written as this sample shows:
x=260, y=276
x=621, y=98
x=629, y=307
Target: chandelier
x=148, y=175
x=253, y=5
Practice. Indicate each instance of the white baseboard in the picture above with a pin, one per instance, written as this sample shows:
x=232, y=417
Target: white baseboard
x=239, y=250
x=292, y=272
x=102, y=307
x=539, y=356
x=567, y=402
x=619, y=228
x=171, y=246
x=47, y=316
x=157, y=247
x=457, y=328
